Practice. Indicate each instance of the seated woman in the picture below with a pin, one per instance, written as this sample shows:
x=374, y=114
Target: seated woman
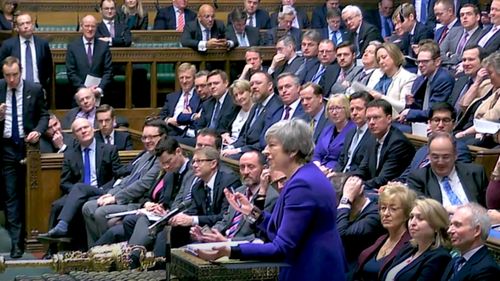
x=133, y=15
x=395, y=204
x=428, y=255
x=395, y=82
x=302, y=229
x=8, y=9
x=331, y=141
x=240, y=91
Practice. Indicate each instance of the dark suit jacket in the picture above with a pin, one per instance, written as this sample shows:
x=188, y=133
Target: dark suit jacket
x=396, y=154
x=219, y=201
x=321, y=124
x=430, y=10
x=77, y=65
x=324, y=32
x=481, y=266
x=493, y=44
x=330, y=77
x=439, y=32
x=367, y=33
x=46, y=145
x=122, y=140
x=301, y=18
x=12, y=47
x=167, y=19
x=357, y=155
x=249, y=138
x=4, y=23
x=227, y=113
x=252, y=33
x=173, y=98
x=292, y=67
x=275, y=116
x=192, y=34
x=123, y=37
x=458, y=86
x=312, y=65
x=361, y=232
x=430, y=265
x=261, y=17
x=441, y=87
x=472, y=177
x=172, y=183
x=35, y=115
x=373, y=16
x=273, y=34
x=421, y=32
x=106, y=160
x=70, y=116
x=318, y=19
x=136, y=24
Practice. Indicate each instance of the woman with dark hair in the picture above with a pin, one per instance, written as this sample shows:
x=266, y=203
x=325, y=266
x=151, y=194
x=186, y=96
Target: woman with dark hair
x=7, y=14
x=302, y=227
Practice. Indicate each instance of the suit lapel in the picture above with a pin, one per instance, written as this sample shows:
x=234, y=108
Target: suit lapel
x=467, y=183
x=98, y=159
x=434, y=187
x=26, y=103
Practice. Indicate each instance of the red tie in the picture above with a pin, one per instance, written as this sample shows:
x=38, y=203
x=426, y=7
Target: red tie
x=180, y=21
x=443, y=35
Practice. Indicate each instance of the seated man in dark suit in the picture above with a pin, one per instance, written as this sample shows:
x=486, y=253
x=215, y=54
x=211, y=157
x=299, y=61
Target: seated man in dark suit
x=181, y=102
x=309, y=47
x=300, y=22
x=38, y=60
x=87, y=57
x=105, y=117
x=88, y=170
x=313, y=103
x=86, y=101
x=319, y=14
x=328, y=71
x=256, y=180
x=389, y=151
x=441, y=119
x=110, y=30
x=334, y=30
x=206, y=32
x=238, y=31
x=490, y=39
x=446, y=16
x=253, y=59
x=361, y=33
x=382, y=17
x=256, y=17
x=469, y=229
x=174, y=17
x=53, y=140
x=449, y=182
x=265, y=104
x=286, y=59
x=284, y=28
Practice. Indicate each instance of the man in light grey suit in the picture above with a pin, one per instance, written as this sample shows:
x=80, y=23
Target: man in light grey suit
x=346, y=58
x=255, y=186
x=460, y=37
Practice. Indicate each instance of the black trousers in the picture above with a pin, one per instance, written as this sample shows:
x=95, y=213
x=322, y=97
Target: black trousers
x=79, y=194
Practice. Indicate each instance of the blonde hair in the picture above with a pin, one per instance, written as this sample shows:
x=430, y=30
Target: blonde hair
x=139, y=9
x=400, y=192
x=393, y=51
x=437, y=217
x=344, y=102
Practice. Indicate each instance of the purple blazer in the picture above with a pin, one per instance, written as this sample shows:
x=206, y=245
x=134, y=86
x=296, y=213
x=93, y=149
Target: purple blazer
x=302, y=230
x=328, y=148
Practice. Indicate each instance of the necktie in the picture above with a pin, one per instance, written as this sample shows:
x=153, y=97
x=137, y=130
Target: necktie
x=287, y=112
x=454, y=200
x=180, y=21
x=317, y=77
x=29, y=62
x=461, y=44
x=108, y=139
x=215, y=116
x=250, y=20
x=89, y=52
x=383, y=84
x=423, y=11
x=301, y=67
x=312, y=124
x=427, y=95
x=86, y=166
x=235, y=222
x=443, y=35
x=208, y=199
x=352, y=148
x=341, y=76
x=457, y=264
x=207, y=34
x=186, y=100
x=157, y=189
x=111, y=29
x=333, y=38
x=387, y=27
x=457, y=106
x=378, y=150
x=356, y=42
x=15, y=123
x=256, y=114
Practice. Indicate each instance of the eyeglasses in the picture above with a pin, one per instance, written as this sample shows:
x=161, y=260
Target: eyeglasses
x=424, y=61
x=335, y=108
x=148, y=138
x=444, y=120
x=391, y=209
x=199, y=161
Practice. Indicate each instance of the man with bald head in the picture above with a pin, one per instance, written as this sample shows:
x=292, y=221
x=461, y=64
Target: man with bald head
x=206, y=32
x=87, y=57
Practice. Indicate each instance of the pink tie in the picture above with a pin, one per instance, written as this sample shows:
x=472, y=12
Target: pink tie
x=157, y=189
x=186, y=100
x=180, y=21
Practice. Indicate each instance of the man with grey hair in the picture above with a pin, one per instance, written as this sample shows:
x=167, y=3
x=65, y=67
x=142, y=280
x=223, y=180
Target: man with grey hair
x=300, y=22
x=86, y=101
x=360, y=32
x=285, y=60
x=284, y=27
x=469, y=229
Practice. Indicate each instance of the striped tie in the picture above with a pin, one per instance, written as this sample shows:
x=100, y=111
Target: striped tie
x=180, y=21
x=235, y=222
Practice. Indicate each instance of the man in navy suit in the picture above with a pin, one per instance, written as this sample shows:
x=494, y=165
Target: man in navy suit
x=87, y=56
x=429, y=17
x=361, y=33
x=388, y=153
x=382, y=17
x=334, y=31
x=309, y=46
x=181, y=102
x=54, y=140
x=40, y=70
x=256, y=17
x=174, y=17
x=18, y=97
x=286, y=59
x=284, y=28
x=468, y=231
x=105, y=117
x=265, y=104
x=238, y=31
x=219, y=111
x=434, y=85
x=206, y=32
x=110, y=30
x=253, y=59
x=313, y=103
x=490, y=39
x=328, y=59
x=445, y=15
x=300, y=22
x=319, y=14
x=410, y=30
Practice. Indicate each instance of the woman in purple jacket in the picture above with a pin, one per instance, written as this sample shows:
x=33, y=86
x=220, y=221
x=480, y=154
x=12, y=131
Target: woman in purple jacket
x=302, y=227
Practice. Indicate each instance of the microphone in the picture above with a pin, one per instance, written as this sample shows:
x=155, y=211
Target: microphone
x=182, y=206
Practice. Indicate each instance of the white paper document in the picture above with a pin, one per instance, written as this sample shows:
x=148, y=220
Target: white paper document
x=91, y=81
x=485, y=126
x=419, y=129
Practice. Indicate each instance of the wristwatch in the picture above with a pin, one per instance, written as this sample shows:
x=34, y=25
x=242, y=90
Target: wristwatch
x=254, y=215
x=346, y=201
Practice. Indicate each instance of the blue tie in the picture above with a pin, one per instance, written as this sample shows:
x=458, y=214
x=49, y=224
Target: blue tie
x=29, y=63
x=215, y=117
x=15, y=124
x=86, y=166
x=457, y=263
x=423, y=11
x=454, y=200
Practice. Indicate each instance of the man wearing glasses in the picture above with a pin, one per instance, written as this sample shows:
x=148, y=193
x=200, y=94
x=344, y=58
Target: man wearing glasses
x=447, y=181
